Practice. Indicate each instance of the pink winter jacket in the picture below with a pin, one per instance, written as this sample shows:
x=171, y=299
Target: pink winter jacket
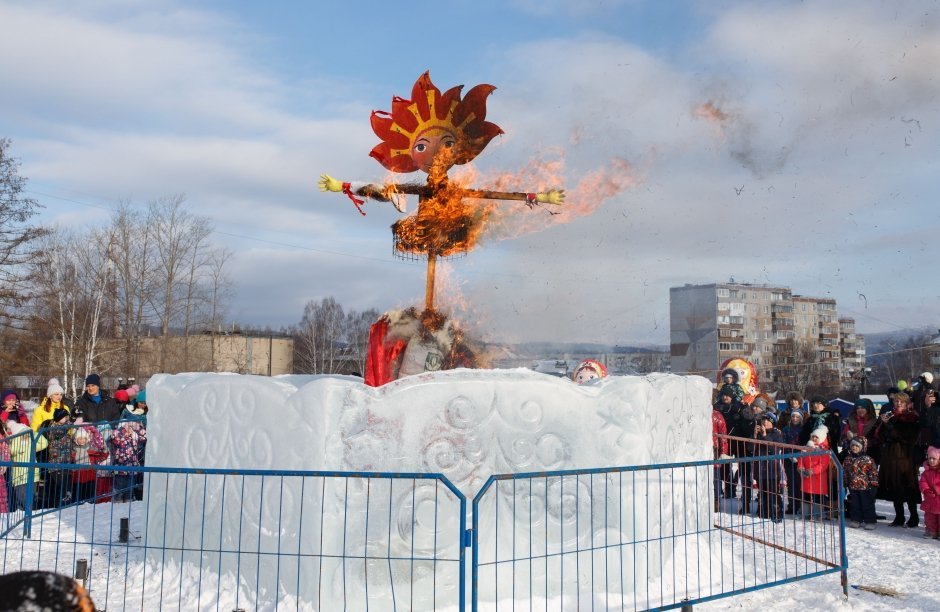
x=930, y=489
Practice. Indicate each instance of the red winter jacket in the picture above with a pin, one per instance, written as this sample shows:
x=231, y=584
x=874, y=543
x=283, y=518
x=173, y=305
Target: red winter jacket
x=930, y=489
x=817, y=483
x=719, y=445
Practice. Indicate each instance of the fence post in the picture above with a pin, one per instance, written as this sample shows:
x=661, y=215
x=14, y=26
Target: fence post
x=30, y=485
x=124, y=531
x=81, y=571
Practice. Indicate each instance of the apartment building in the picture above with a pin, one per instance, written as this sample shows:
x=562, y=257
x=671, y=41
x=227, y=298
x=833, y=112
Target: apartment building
x=767, y=324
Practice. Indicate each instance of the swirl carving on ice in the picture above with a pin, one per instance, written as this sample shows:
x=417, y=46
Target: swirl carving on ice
x=464, y=424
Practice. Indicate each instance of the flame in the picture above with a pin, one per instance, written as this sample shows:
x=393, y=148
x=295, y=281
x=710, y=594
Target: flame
x=544, y=172
x=445, y=224
x=709, y=111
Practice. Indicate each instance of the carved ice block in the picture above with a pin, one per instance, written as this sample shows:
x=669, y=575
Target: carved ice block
x=465, y=424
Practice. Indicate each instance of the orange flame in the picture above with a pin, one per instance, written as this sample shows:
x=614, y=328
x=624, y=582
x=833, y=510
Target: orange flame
x=547, y=171
x=709, y=111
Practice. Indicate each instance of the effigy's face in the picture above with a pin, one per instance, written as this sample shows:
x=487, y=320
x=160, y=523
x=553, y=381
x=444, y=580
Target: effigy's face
x=584, y=375
x=744, y=372
x=434, y=148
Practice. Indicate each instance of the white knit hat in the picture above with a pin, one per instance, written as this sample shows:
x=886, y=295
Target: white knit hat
x=928, y=377
x=821, y=432
x=54, y=387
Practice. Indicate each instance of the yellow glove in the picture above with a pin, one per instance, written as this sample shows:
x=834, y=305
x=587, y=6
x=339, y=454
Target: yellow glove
x=328, y=183
x=552, y=196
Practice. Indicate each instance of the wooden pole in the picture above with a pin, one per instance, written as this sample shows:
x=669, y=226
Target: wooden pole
x=429, y=283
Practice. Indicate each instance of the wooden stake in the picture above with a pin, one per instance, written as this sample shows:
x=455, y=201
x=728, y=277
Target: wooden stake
x=429, y=283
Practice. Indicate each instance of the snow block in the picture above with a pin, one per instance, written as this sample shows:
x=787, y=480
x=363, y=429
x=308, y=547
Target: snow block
x=465, y=424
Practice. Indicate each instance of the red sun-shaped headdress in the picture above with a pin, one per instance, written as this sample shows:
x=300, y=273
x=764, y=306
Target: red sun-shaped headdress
x=428, y=108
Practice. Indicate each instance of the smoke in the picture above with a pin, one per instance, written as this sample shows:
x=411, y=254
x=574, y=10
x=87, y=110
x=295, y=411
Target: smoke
x=740, y=135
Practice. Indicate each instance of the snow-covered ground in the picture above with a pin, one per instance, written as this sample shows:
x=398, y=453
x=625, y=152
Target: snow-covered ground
x=890, y=558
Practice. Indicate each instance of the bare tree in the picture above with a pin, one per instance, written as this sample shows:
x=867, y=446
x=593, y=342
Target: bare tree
x=220, y=288
x=358, y=325
x=329, y=340
x=134, y=266
x=181, y=244
x=18, y=237
x=319, y=345
x=71, y=279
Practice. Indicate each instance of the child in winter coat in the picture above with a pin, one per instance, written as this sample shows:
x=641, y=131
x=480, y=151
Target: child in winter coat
x=21, y=446
x=4, y=456
x=88, y=449
x=861, y=479
x=56, y=490
x=769, y=473
x=127, y=444
x=930, y=489
x=814, y=470
x=791, y=435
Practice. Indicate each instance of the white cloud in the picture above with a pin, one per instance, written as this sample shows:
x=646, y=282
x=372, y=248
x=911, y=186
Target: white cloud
x=821, y=167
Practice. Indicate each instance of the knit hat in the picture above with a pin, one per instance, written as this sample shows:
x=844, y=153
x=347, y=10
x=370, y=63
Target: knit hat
x=856, y=442
x=759, y=402
x=93, y=379
x=933, y=452
x=796, y=414
x=770, y=416
x=821, y=432
x=10, y=394
x=928, y=377
x=54, y=387
x=59, y=413
x=142, y=396
x=122, y=396
x=133, y=390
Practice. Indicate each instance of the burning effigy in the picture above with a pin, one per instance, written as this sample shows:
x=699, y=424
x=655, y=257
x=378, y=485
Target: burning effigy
x=431, y=132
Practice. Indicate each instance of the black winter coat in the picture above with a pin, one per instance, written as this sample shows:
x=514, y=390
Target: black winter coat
x=897, y=477
x=107, y=410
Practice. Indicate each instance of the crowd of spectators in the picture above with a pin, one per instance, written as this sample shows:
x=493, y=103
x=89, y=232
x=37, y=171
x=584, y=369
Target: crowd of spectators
x=893, y=455
x=72, y=439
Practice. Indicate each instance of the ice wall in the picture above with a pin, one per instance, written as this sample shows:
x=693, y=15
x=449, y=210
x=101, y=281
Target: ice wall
x=466, y=424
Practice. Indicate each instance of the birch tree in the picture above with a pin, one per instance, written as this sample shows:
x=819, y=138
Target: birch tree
x=72, y=275
x=318, y=341
x=330, y=341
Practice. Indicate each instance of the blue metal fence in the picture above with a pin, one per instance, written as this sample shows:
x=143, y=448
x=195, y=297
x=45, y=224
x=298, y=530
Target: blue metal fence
x=644, y=537
x=636, y=537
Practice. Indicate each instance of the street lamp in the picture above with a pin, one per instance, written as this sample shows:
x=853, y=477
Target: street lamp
x=865, y=373
x=862, y=375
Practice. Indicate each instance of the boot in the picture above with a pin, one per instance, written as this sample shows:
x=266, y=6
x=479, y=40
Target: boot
x=898, y=515
x=914, y=521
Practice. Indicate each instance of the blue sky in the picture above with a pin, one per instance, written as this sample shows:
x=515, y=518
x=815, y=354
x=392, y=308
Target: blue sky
x=818, y=172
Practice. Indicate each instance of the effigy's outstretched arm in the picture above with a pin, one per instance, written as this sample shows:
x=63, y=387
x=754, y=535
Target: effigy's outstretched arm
x=384, y=193
x=552, y=196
